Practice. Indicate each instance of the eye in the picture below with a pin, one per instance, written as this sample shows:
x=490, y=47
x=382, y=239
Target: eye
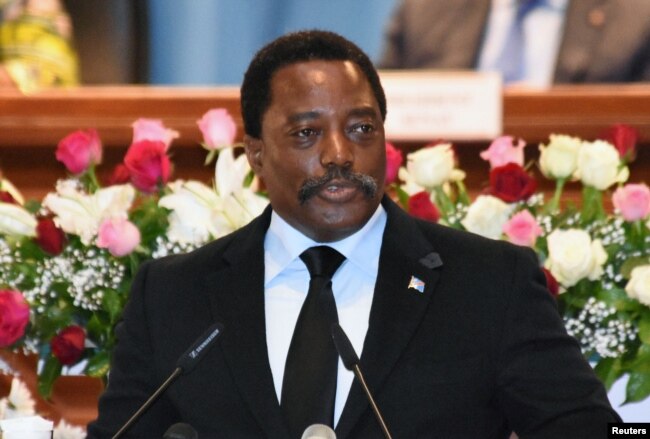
x=305, y=133
x=363, y=128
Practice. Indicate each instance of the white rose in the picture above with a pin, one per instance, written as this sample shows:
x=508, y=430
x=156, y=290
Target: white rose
x=16, y=221
x=599, y=165
x=486, y=216
x=81, y=214
x=432, y=166
x=409, y=186
x=559, y=158
x=573, y=256
x=639, y=285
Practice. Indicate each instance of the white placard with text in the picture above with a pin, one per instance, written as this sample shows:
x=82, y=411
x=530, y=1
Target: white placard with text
x=428, y=105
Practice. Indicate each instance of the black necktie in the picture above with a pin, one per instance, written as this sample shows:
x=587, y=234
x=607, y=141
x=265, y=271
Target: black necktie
x=309, y=385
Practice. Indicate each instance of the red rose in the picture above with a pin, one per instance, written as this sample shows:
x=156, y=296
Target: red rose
x=551, y=283
x=148, y=165
x=120, y=175
x=420, y=206
x=14, y=316
x=394, y=160
x=6, y=197
x=79, y=150
x=68, y=345
x=49, y=237
x=511, y=183
x=624, y=139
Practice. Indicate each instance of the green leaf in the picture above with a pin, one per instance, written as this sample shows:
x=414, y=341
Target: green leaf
x=631, y=263
x=609, y=370
x=644, y=329
x=98, y=365
x=403, y=197
x=617, y=298
x=51, y=371
x=210, y=157
x=641, y=361
x=112, y=304
x=638, y=387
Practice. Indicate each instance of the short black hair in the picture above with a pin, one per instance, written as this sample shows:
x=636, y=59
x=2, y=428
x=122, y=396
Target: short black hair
x=290, y=49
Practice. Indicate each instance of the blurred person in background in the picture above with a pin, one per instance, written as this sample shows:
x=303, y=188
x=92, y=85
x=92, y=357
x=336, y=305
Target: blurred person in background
x=35, y=45
x=532, y=42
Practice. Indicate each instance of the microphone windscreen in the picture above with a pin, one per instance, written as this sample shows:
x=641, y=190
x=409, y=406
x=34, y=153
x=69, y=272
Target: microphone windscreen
x=181, y=430
x=344, y=347
x=191, y=356
x=318, y=431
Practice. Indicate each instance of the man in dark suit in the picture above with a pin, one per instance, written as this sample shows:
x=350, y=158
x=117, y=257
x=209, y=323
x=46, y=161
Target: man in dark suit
x=459, y=337
x=599, y=41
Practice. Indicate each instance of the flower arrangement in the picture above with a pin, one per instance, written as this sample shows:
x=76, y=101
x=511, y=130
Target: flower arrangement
x=596, y=262
x=66, y=262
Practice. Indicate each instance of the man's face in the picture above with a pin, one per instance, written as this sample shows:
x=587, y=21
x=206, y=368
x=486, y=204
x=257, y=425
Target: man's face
x=322, y=150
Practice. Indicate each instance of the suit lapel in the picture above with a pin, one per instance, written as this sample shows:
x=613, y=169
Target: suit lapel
x=236, y=292
x=397, y=310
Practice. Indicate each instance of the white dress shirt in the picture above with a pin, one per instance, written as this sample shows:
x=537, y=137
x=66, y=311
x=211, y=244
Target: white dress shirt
x=543, y=29
x=286, y=282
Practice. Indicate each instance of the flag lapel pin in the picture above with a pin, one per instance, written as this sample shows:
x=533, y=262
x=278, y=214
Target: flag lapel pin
x=416, y=284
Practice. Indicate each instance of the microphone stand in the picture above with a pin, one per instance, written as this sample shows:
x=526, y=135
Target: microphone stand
x=373, y=404
x=149, y=401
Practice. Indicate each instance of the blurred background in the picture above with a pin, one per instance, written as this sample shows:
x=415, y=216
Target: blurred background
x=204, y=42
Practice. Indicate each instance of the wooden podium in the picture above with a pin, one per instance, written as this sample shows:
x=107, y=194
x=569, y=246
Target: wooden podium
x=31, y=126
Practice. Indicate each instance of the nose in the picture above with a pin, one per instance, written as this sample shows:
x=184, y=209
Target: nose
x=337, y=150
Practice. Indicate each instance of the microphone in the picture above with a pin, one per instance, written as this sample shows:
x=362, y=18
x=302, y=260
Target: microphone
x=318, y=431
x=351, y=362
x=181, y=430
x=184, y=364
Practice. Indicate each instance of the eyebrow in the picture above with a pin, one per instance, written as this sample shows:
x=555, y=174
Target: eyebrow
x=311, y=115
x=306, y=115
x=363, y=111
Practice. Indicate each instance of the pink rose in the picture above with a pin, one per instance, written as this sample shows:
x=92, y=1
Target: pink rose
x=394, y=160
x=120, y=236
x=68, y=345
x=633, y=201
x=148, y=165
x=522, y=229
x=218, y=128
x=153, y=130
x=14, y=316
x=503, y=151
x=80, y=150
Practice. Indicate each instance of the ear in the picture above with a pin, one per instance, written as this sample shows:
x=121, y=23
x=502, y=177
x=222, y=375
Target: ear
x=254, y=148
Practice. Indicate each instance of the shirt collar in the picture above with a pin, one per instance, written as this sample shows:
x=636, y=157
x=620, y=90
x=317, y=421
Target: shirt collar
x=283, y=244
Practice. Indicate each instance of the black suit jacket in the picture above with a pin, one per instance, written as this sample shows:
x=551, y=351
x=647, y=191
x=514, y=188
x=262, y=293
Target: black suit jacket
x=480, y=352
x=603, y=40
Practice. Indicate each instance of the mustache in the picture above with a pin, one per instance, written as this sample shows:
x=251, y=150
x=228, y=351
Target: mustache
x=313, y=185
